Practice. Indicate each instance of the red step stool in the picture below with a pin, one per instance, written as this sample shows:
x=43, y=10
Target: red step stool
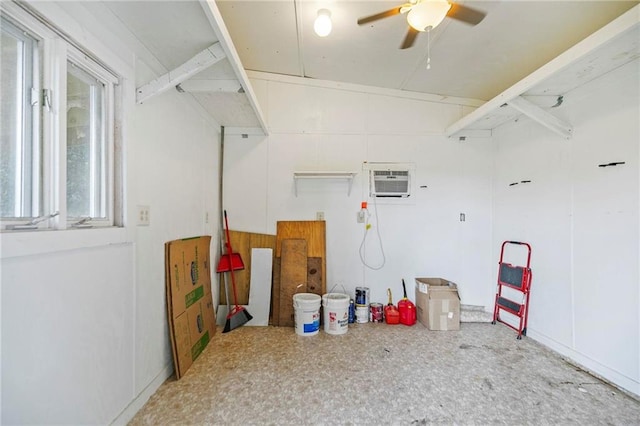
x=517, y=278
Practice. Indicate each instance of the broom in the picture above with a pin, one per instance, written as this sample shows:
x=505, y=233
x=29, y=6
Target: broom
x=238, y=315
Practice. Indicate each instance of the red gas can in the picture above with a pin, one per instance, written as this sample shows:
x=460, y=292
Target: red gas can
x=407, y=309
x=391, y=314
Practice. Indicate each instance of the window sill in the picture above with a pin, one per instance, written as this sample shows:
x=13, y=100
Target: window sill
x=29, y=243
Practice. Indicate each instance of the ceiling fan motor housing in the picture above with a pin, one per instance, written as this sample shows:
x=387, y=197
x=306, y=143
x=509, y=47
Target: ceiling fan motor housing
x=428, y=14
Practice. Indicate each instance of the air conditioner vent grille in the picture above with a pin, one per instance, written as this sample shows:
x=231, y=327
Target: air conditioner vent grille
x=390, y=183
x=391, y=187
x=391, y=173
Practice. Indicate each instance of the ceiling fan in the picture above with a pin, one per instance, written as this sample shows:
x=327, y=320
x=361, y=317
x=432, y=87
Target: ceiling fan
x=423, y=15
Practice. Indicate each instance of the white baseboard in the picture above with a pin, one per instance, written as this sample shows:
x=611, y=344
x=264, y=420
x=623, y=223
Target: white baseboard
x=134, y=406
x=625, y=383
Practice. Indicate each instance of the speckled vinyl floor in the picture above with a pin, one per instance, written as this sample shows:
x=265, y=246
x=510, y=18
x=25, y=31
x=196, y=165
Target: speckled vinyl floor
x=379, y=374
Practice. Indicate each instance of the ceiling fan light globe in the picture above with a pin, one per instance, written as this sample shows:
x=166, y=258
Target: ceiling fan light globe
x=322, y=25
x=428, y=13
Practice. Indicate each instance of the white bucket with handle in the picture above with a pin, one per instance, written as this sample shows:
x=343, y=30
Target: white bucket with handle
x=336, y=313
x=306, y=313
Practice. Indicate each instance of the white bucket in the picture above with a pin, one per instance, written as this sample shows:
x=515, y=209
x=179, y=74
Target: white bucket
x=362, y=314
x=306, y=313
x=336, y=313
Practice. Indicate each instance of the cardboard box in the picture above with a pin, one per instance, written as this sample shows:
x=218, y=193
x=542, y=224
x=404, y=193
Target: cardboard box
x=189, y=304
x=438, y=304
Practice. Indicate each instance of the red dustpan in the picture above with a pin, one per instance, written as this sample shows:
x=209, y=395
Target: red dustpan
x=230, y=261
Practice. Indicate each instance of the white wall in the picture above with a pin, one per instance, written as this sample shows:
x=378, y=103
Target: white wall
x=84, y=325
x=176, y=174
x=581, y=219
x=330, y=127
x=582, y=222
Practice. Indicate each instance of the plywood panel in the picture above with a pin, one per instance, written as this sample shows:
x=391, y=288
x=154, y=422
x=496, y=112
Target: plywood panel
x=314, y=232
x=314, y=275
x=242, y=243
x=314, y=285
x=275, y=293
x=293, y=273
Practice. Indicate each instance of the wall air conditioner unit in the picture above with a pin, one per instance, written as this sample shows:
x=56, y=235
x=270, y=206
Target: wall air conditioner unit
x=390, y=183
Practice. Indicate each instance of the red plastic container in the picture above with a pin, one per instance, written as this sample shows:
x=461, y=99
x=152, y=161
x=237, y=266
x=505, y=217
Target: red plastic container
x=407, y=309
x=391, y=313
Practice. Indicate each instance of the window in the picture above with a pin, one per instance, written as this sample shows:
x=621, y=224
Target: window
x=19, y=138
x=88, y=100
x=57, y=135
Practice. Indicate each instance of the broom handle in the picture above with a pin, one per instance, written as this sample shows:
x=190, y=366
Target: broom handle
x=229, y=252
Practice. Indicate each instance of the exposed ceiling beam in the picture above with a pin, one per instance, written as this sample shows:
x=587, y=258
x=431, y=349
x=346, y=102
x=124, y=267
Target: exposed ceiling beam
x=193, y=66
x=199, y=86
x=541, y=116
x=586, y=53
x=217, y=23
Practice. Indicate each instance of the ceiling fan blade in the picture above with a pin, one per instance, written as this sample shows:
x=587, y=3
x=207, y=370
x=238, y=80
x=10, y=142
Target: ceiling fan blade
x=381, y=15
x=465, y=14
x=410, y=38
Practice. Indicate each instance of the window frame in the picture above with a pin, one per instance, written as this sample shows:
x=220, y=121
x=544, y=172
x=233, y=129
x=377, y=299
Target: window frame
x=86, y=64
x=29, y=172
x=55, y=51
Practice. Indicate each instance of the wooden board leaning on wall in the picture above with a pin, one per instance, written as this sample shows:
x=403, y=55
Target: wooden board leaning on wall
x=313, y=232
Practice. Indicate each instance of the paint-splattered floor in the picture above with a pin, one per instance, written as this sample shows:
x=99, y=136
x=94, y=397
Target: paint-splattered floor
x=384, y=374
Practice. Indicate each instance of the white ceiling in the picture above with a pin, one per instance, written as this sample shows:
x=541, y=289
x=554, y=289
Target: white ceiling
x=477, y=62
x=473, y=62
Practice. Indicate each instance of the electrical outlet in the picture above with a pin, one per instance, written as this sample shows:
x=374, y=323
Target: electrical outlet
x=319, y=215
x=463, y=217
x=144, y=215
x=360, y=217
